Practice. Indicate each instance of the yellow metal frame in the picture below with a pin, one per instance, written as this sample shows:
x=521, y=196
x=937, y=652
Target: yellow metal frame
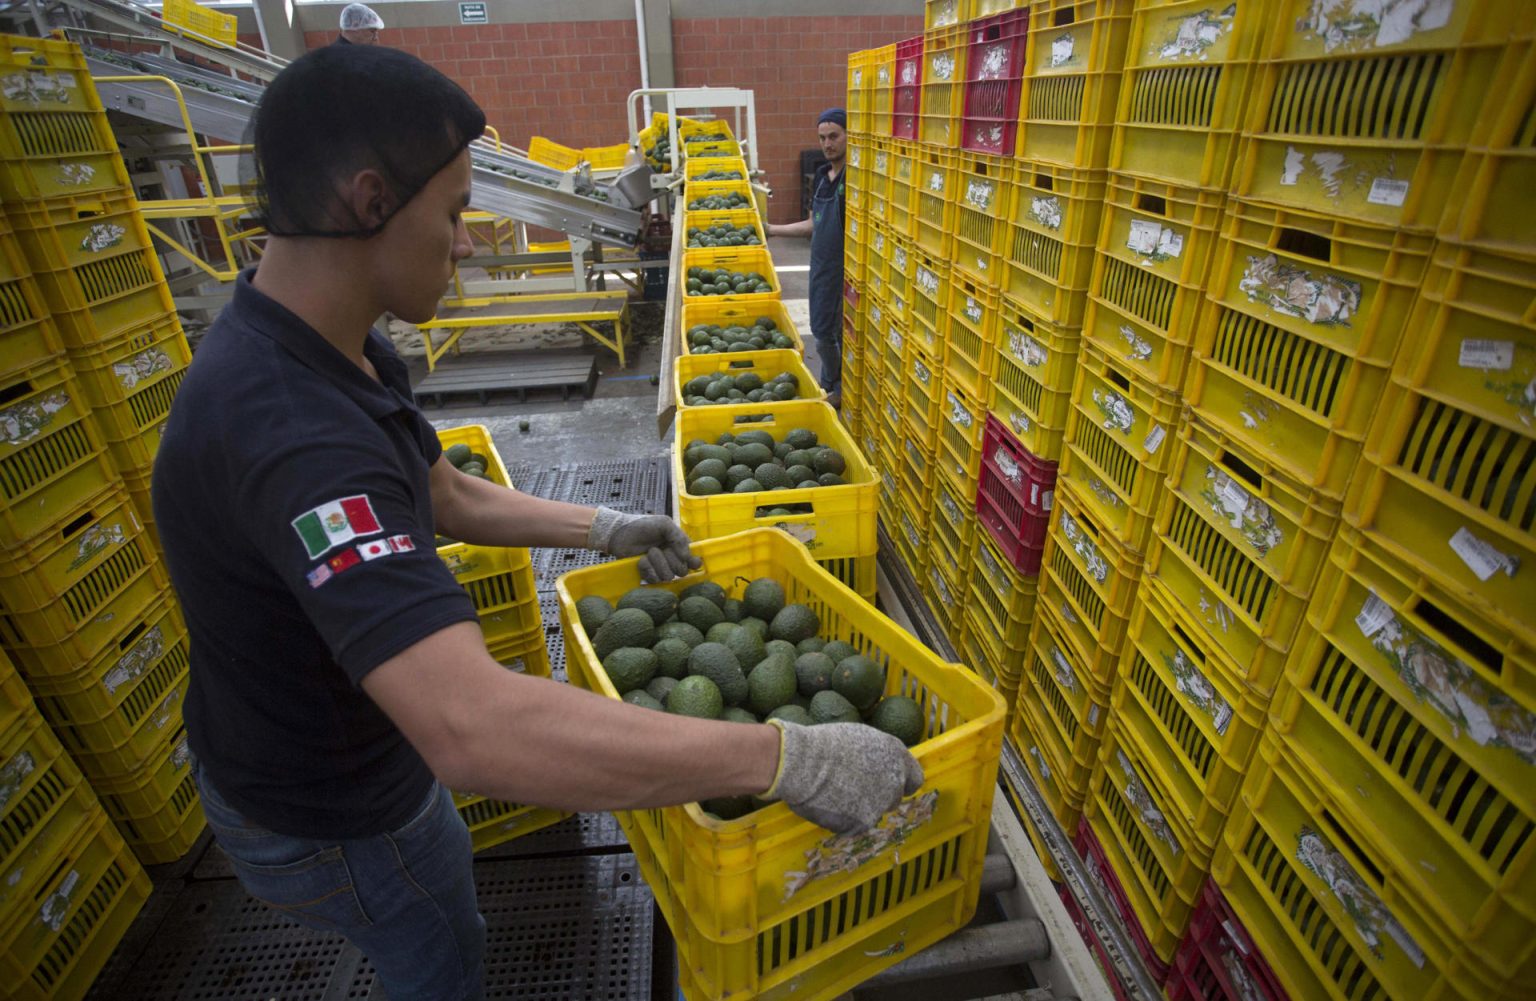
x=457, y=326
x=222, y=209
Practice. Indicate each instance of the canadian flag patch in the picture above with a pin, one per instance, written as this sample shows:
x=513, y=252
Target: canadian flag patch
x=401, y=544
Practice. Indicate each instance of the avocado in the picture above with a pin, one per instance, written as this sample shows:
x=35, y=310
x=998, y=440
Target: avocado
x=716, y=662
x=660, y=687
x=593, y=611
x=794, y=623
x=458, y=454
x=792, y=714
x=700, y=612
x=697, y=696
x=748, y=648
x=763, y=598
x=736, y=714
x=671, y=657
x=689, y=635
x=859, y=680
x=801, y=438
x=645, y=700
x=706, y=486
x=900, y=717
x=770, y=685
x=838, y=650
x=630, y=668
x=732, y=609
x=705, y=589
x=829, y=460
x=830, y=707
x=755, y=624
x=813, y=672
x=625, y=627
x=781, y=647
x=658, y=604
x=811, y=644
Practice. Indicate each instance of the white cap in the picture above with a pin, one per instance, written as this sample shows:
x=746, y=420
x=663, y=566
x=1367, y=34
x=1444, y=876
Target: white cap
x=359, y=17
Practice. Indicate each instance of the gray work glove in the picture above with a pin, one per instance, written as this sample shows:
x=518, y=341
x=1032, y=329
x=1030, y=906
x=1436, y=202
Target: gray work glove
x=842, y=776
x=656, y=539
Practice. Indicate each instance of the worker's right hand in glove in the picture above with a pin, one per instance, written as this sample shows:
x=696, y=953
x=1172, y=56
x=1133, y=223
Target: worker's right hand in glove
x=842, y=776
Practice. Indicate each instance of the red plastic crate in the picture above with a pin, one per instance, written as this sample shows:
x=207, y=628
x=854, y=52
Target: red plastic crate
x=1218, y=961
x=994, y=82
x=1013, y=496
x=908, y=102
x=1099, y=869
x=1091, y=940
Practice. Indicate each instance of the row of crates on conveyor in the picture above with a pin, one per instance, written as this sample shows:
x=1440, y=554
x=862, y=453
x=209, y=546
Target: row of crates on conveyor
x=1194, y=346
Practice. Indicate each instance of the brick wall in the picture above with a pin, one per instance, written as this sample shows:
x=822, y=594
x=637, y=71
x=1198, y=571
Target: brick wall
x=796, y=67
x=566, y=81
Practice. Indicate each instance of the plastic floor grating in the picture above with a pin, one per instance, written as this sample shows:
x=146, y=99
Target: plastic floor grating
x=557, y=928
x=637, y=486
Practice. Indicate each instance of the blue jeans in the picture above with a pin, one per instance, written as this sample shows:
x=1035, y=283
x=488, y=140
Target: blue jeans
x=405, y=898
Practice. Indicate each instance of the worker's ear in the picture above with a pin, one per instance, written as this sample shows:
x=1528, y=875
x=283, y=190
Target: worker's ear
x=370, y=198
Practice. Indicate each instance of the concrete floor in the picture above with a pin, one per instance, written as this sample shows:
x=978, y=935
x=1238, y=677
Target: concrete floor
x=619, y=421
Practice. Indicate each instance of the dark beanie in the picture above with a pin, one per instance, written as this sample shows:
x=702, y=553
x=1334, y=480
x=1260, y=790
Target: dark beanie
x=837, y=116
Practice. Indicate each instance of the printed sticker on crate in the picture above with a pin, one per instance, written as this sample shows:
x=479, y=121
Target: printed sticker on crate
x=1063, y=50
x=1476, y=710
x=75, y=175
x=972, y=310
x=1093, y=560
x=1197, y=689
x=1104, y=493
x=1246, y=514
x=951, y=509
x=149, y=649
x=1136, y=349
x=1046, y=210
x=1365, y=908
x=1331, y=171
x=941, y=588
x=14, y=774
x=1369, y=24
x=1324, y=299
x=26, y=421
x=1482, y=557
x=927, y=282
x=102, y=236
x=1009, y=469
x=941, y=67
x=846, y=852
x=994, y=571
x=1136, y=794
x=979, y=194
x=921, y=372
x=39, y=88
x=95, y=540
x=959, y=414
x=1065, y=676
x=142, y=367
x=1114, y=409
x=1154, y=242
x=1190, y=37
x=1029, y=352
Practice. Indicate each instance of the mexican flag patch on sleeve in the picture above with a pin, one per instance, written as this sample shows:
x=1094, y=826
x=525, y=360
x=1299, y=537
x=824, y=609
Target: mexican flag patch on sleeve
x=335, y=523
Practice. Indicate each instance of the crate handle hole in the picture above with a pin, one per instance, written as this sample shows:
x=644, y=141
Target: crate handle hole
x=1118, y=379
x=1448, y=626
x=20, y=389
x=1341, y=834
x=133, y=636
x=1152, y=204
x=78, y=525
x=1299, y=241
x=747, y=363
x=1064, y=16
x=1044, y=183
x=794, y=510
x=1187, y=643
x=1237, y=467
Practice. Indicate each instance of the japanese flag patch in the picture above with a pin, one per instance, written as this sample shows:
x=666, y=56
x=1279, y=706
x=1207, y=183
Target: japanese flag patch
x=336, y=523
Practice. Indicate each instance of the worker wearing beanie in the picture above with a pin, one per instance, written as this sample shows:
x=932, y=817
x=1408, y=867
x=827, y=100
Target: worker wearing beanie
x=359, y=25
x=825, y=228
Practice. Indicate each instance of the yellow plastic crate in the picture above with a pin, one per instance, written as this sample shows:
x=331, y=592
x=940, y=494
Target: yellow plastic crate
x=938, y=192
x=929, y=305
x=116, y=712
x=981, y=209
x=1119, y=440
x=953, y=507
x=1291, y=846
x=739, y=218
x=56, y=947
x=861, y=83
x=553, y=154
x=1027, y=731
x=1096, y=575
x=947, y=13
x=51, y=456
x=156, y=808
x=855, y=246
x=740, y=891
x=961, y=420
x=724, y=311
x=911, y=534
x=1193, y=716
x=131, y=380
x=1031, y=391
x=1239, y=545
x=694, y=192
x=493, y=822
x=95, y=262
x=1151, y=265
x=1392, y=678
x=700, y=169
x=46, y=802
x=973, y=323
x=1335, y=126
x=526, y=654
x=1006, y=596
x=901, y=199
x=1446, y=479
x=943, y=85
x=856, y=174
x=27, y=332
x=1047, y=243
x=1189, y=65
x=945, y=598
x=55, y=588
x=1075, y=52
x=214, y=25
x=1068, y=703
x=1154, y=854
x=834, y=521
x=1329, y=297
x=744, y=259
x=899, y=261
x=1497, y=172
x=923, y=381
x=499, y=580
x=766, y=364
x=916, y=472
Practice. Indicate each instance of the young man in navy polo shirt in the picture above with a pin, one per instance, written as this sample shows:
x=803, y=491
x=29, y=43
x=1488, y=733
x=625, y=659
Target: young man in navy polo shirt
x=340, y=683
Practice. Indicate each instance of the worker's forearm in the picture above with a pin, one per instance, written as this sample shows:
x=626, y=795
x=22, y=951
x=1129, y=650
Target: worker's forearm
x=801, y=228
x=484, y=514
x=537, y=741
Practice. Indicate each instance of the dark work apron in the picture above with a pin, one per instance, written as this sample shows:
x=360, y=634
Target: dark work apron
x=826, y=285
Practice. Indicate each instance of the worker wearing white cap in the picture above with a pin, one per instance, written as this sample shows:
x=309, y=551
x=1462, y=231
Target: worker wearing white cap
x=359, y=25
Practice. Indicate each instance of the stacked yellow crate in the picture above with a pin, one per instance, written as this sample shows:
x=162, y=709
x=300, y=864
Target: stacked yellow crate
x=72, y=886
x=89, y=616
x=1408, y=400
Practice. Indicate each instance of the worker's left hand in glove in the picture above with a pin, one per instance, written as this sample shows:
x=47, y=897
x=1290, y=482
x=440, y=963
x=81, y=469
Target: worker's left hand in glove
x=656, y=539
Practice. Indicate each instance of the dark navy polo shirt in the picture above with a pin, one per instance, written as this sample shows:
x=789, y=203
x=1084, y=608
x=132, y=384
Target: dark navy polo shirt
x=291, y=495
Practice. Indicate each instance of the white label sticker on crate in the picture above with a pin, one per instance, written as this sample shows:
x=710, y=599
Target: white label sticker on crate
x=102, y=236
x=1061, y=49
x=1481, y=557
x=1154, y=439
x=1197, y=689
x=1375, y=615
x=1234, y=499
x=134, y=663
x=1154, y=242
x=75, y=174
x=1065, y=676
x=56, y=906
x=1387, y=191
x=1496, y=356
x=942, y=66
x=1046, y=211
x=1046, y=498
x=979, y=194
x=1045, y=770
x=39, y=87
x=972, y=310
x=1364, y=905
x=13, y=774
x=1007, y=467
x=26, y=421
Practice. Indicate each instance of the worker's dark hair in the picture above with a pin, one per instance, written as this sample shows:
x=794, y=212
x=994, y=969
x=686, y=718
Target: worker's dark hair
x=345, y=108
